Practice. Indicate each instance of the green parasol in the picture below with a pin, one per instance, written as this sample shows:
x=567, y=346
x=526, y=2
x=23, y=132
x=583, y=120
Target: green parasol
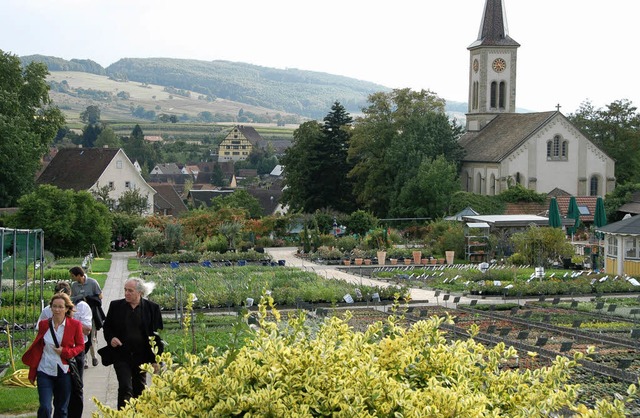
x=574, y=213
x=554, y=214
x=600, y=217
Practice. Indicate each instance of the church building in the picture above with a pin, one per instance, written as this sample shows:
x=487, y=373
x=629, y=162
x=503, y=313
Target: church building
x=541, y=151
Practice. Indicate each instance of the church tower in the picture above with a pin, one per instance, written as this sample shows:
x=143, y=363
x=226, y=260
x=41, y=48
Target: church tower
x=492, y=68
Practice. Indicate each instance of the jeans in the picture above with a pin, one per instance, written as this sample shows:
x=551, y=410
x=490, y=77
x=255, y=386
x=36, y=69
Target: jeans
x=56, y=389
x=76, y=401
x=131, y=380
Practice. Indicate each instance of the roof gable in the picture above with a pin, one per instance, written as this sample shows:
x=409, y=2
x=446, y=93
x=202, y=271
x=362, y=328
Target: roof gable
x=500, y=137
x=77, y=168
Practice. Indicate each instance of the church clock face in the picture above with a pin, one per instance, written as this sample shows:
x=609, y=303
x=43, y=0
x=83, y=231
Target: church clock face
x=499, y=65
x=476, y=65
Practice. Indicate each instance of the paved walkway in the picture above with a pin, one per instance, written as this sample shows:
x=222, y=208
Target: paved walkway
x=100, y=381
x=422, y=296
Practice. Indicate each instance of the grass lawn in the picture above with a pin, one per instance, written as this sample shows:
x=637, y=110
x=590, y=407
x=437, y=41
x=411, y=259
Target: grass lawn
x=17, y=400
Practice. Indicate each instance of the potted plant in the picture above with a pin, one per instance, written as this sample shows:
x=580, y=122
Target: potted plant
x=417, y=256
x=358, y=256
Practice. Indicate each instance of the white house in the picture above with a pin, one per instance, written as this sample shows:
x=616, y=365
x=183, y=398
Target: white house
x=91, y=169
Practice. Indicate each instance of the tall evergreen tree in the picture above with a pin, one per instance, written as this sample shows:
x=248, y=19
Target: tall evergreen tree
x=316, y=164
x=334, y=167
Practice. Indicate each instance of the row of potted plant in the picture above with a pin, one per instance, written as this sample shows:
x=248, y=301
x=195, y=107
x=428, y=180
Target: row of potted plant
x=359, y=256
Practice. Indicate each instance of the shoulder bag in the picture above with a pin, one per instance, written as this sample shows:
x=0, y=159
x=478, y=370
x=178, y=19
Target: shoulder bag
x=76, y=380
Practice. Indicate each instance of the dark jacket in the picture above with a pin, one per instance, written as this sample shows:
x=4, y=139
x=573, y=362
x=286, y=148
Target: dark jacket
x=114, y=326
x=95, y=303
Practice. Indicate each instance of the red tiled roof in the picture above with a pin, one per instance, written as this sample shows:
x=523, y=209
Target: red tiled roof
x=588, y=201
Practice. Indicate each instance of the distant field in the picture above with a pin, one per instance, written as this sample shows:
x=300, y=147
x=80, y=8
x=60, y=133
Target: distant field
x=198, y=131
x=150, y=97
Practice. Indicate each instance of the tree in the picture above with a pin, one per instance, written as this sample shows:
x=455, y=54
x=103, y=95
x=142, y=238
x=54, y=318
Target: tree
x=399, y=130
x=108, y=138
x=90, y=134
x=133, y=202
x=316, y=164
x=540, y=246
x=73, y=222
x=360, y=222
x=300, y=164
x=91, y=115
x=28, y=125
x=138, y=149
x=428, y=193
x=240, y=199
x=616, y=130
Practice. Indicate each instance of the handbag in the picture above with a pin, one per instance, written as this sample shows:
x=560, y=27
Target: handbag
x=107, y=355
x=74, y=370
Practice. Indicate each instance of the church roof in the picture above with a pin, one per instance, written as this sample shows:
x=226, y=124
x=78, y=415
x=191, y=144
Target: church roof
x=493, y=27
x=500, y=137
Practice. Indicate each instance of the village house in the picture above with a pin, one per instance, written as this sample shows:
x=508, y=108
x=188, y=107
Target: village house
x=91, y=169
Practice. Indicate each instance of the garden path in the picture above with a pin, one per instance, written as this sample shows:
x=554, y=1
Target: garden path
x=419, y=296
x=100, y=381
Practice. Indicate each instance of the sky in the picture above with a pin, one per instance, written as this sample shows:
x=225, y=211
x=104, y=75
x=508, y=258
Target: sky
x=572, y=51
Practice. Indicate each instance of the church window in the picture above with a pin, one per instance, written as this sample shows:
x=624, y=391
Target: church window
x=494, y=94
x=518, y=178
x=503, y=95
x=492, y=192
x=474, y=99
x=478, y=183
x=593, y=186
x=557, y=149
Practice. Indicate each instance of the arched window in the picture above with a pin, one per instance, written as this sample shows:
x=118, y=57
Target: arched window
x=503, y=95
x=478, y=183
x=593, y=186
x=494, y=94
x=557, y=149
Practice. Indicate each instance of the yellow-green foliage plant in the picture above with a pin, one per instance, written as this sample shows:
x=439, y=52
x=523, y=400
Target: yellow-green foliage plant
x=294, y=369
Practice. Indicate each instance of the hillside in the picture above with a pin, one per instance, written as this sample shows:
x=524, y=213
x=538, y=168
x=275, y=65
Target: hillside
x=118, y=100
x=187, y=88
x=306, y=93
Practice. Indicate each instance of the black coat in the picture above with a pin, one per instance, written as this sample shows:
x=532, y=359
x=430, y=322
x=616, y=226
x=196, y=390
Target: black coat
x=114, y=326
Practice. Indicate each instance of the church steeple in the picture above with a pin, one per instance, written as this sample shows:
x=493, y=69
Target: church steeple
x=492, y=68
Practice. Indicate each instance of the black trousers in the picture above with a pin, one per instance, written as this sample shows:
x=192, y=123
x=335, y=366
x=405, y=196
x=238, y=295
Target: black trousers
x=131, y=380
x=76, y=401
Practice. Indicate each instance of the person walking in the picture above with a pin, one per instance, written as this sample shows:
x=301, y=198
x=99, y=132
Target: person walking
x=88, y=290
x=48, y=360
x=129, y=324
x=82, y=313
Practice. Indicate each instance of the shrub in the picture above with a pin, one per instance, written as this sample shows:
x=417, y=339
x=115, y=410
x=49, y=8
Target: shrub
x=326, y=369
x=347, y=243
x=216, y=243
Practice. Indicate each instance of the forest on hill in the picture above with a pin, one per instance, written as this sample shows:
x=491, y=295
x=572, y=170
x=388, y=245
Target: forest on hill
x=308, y=94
